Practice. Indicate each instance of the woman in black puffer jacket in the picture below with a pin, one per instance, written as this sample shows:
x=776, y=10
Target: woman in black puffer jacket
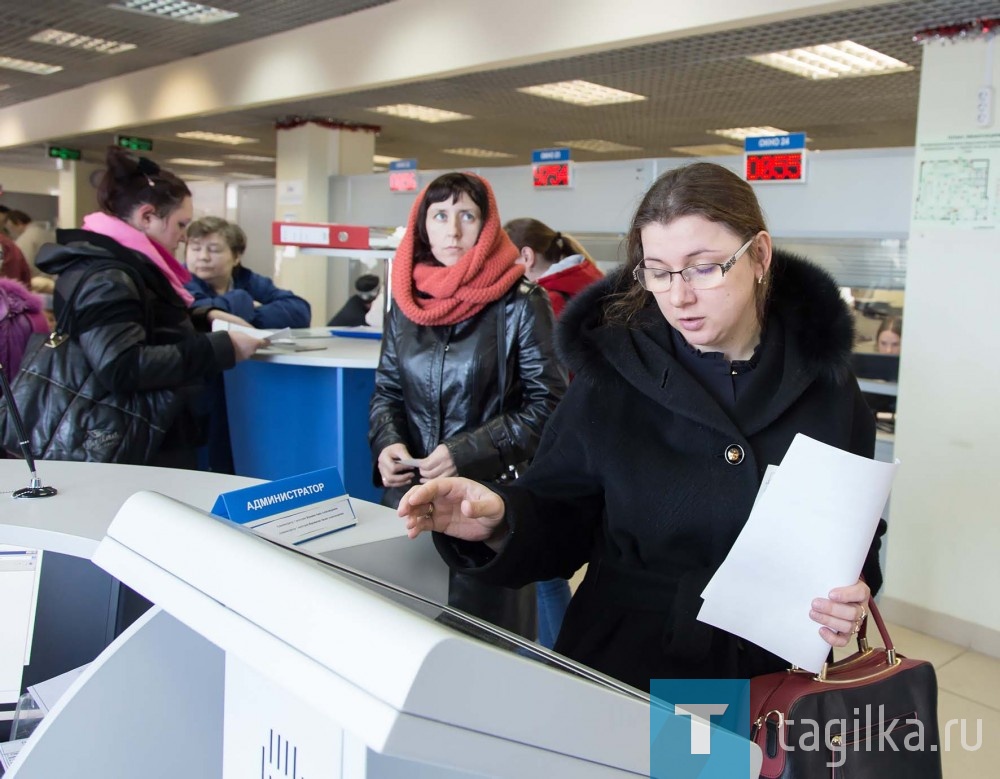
x=140, y=337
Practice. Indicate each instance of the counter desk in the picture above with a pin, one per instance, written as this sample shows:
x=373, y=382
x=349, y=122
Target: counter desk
x=80, y=608
x=294, y=412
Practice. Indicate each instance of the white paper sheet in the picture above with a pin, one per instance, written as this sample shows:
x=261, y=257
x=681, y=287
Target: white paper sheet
x=808, y=532
x=273, y=336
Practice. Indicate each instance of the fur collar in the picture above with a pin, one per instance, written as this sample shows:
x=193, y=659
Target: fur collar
x=817, y=322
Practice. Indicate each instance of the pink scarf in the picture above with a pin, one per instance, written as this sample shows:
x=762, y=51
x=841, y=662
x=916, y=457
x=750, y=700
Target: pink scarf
x=129, y=237
x=460, y=291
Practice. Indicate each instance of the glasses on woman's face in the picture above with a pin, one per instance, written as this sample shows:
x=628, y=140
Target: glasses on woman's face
x=697, y=276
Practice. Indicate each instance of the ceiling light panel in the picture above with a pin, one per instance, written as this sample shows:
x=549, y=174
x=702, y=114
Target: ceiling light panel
x=197, y=163
x=175, y=10
x=381, y=159
x=248, y=157
x=709, y=150
x=598, y=145
x=419, y=113
x=844, y=59
x=71, y=40
x=742, y=133
x=470, y=151
x=27, y=66
x=580, y=92
x=229, y=140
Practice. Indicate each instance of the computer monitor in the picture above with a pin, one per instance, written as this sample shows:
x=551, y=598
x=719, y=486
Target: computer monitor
x=880, y=367
x=872, y=367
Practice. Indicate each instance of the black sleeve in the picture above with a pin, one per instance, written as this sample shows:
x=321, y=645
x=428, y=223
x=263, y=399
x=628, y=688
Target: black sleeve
x=109, y=322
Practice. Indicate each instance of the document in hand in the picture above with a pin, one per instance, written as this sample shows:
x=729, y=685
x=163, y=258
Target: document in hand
x=277, y=340
x=808, y=532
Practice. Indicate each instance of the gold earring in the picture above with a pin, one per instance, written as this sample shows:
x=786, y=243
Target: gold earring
x=760, y=279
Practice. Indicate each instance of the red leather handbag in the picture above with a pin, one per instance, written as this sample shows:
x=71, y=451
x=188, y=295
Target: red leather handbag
x=872, y=715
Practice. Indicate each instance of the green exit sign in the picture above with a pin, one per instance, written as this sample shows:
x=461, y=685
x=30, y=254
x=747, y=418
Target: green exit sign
x=64, y=153
x=134, y=143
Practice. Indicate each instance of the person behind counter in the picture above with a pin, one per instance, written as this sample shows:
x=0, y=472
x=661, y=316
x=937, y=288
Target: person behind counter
x=467, y=375
x=214, y=249
x=562, y=267
x=889, y=337
x=141, y=339
x=354, y=312
x=694, y=368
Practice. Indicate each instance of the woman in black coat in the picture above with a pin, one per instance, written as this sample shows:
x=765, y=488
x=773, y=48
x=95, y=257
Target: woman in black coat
x=468, y=374
x=694, y=367
x=131, y=313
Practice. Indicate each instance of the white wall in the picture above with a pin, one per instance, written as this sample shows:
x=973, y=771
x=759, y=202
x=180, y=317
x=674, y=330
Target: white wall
x=848, y=194
x=29, y=181
x=944, y=557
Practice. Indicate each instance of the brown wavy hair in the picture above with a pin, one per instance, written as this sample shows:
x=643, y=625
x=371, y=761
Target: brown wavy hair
x=701, y=189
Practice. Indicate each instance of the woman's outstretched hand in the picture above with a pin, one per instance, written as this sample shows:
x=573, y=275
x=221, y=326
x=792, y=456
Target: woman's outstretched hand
x=457, y=507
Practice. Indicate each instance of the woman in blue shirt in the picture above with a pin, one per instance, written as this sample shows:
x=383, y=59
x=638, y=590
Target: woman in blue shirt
x=214, y=248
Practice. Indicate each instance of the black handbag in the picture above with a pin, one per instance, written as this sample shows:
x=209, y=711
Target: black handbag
x=70, y=415
x=872, y=715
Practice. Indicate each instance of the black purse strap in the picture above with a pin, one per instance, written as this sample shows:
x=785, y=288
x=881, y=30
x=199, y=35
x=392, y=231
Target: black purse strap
x=496, y=426
x=62, y=329
x=502, y=351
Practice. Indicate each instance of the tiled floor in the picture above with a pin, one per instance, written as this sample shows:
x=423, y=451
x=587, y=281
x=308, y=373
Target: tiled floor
x=969, y=690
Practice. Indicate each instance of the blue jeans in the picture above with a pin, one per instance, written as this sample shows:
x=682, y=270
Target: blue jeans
x=553, y=598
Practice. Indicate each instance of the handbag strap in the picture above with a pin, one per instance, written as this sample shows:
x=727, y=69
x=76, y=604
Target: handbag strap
x=495, y=427
x=874, y=613
x=502, y=351
x=889, y=648
x=61, y=331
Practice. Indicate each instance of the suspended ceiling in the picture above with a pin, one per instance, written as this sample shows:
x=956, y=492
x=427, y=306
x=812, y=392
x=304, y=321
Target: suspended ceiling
x=692, y=85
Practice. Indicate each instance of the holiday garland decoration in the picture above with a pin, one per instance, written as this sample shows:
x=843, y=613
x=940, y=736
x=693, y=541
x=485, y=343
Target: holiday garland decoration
x=977, y=28
x=291, y=122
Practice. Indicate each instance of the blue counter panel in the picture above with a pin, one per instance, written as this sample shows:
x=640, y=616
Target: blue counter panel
x=290, y=419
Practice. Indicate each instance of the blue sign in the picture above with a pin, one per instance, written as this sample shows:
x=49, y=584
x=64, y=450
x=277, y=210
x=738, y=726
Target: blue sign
x=403, y=165
x=549, y=155
x=263, y=500
x=699, y=728
x=775, y=142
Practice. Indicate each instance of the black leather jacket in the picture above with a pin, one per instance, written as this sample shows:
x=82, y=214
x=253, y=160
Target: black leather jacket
x=441, y=384
x=109, y=322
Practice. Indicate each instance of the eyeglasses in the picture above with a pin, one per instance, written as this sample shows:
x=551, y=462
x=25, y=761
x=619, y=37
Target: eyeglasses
x=697, y=276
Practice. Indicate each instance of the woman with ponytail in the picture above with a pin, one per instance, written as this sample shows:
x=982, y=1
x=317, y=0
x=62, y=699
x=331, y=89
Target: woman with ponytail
x=553, y=260
x=561, y=266
x=467, y=376
x=130, y=311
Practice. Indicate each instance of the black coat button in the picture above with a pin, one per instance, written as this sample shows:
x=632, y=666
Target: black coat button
x=734, y=454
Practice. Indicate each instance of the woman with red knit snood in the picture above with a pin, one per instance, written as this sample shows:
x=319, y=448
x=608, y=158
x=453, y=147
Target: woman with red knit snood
x=468, y=375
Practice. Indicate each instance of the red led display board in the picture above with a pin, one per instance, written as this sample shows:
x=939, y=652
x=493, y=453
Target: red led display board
x=402, y=181
x=551, y=175
x=781, y=166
